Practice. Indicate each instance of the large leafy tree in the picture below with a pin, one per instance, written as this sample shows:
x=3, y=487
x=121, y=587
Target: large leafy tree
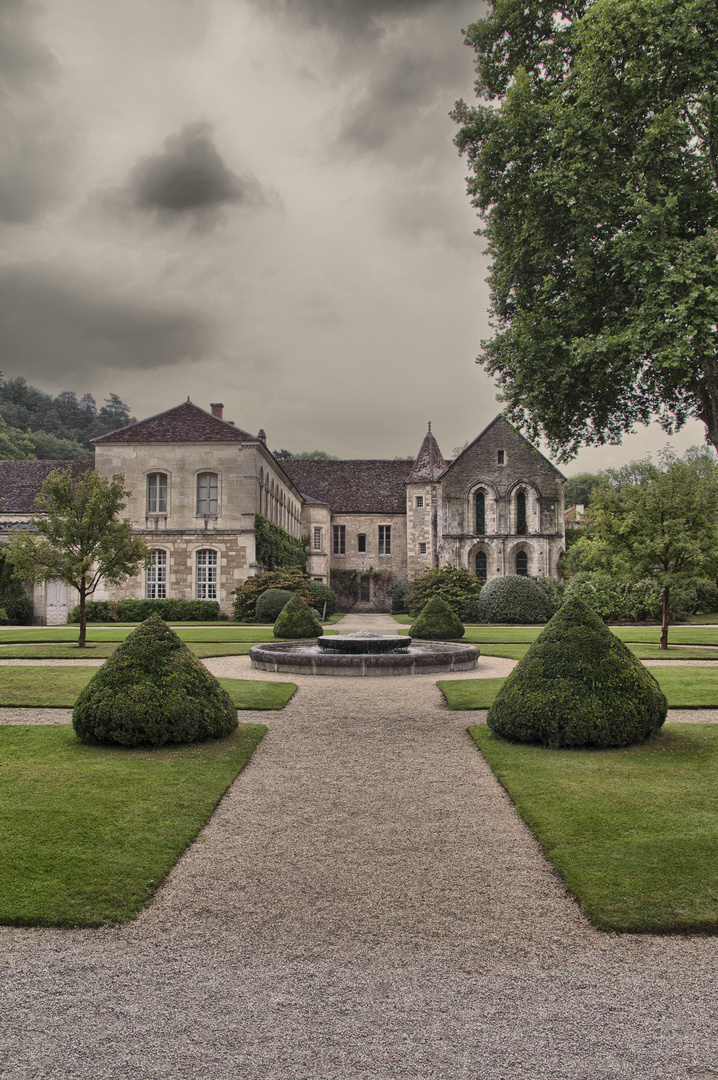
x=76, y=537
x=594, y=159
x=657, y=521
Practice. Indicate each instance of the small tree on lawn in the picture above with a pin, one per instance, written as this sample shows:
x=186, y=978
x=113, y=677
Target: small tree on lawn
x=658, y=521
x=75, y=536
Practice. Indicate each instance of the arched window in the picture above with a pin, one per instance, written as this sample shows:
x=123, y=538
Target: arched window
x=522, y=563
x=156, y=576
x=480, y=513
x=481, y=565
x=157, y=493
x=207, y=493
x=521, y=514
x=206, y=574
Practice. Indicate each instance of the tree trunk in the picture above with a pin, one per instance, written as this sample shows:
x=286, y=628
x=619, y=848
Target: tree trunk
x=666, y=619
x=83, y=621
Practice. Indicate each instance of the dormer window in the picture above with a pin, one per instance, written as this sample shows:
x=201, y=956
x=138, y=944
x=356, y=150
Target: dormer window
x=157, y=493
x=207, y=485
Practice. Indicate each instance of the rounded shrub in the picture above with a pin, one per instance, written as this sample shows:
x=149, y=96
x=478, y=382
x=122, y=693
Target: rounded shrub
x=437, y=622
x=19, y=610
x=578, y=685
x=513, y=599
x=270, y=603
x=322, y=594
x=153, y=691
x=297, y=620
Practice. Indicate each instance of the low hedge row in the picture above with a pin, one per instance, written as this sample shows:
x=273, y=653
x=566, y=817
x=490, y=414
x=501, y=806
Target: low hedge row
x=129, y=610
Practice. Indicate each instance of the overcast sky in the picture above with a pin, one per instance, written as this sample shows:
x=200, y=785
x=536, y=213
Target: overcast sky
x=250, y=201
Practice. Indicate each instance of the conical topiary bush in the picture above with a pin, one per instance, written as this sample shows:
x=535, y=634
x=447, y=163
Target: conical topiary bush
x=578, y=685
x=297, y=620
x=153, y=691
x=436, y=622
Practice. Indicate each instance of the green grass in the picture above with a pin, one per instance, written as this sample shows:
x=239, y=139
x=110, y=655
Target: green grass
x=87, y=834
x=631, y=831
x=100, y=650
x=684, y=687
x=58, y=687
x=221, y=632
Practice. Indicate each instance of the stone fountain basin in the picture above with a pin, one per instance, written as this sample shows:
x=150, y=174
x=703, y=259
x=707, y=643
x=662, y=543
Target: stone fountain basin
x=419, y=658
x=364, y=643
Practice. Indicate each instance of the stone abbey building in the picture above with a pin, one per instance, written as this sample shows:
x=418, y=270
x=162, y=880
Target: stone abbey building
x=197, y=481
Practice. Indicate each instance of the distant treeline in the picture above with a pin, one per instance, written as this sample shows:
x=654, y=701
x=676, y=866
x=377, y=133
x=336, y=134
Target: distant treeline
x=34, y=424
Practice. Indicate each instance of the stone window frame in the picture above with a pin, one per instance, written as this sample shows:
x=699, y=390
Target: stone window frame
x=471, y=557
x=361, y=543
x=158, y=508
x=157, y=575
x=365, y=588
x=501, y=458
x=481, y=554
x=422, y=547
x=203, y=590
x=522, y=555
x=384, y=540
x=208, y=512
x=491, y=499
x=526, y=487
x=419, y=502
x=317, y=538
x=339, y=539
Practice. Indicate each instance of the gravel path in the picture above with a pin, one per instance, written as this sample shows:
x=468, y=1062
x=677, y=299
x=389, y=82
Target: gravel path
x=365, y=904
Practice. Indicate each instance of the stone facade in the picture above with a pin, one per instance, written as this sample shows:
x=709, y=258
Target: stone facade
x=197, y=482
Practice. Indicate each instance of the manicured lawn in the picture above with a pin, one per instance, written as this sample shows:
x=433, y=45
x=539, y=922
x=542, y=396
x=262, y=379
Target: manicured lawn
x=222, y=632
x=100, y=650
x=87, y=834
x=58, y=687
x=632, y=831
x=684, y=687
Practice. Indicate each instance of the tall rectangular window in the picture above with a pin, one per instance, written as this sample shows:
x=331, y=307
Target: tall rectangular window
x=157, y=493
x=385, y=539
x=207, y=493
x=361, y=543
x=156, y=579
x=340, y=539
x=317, y=542
x=206, y=574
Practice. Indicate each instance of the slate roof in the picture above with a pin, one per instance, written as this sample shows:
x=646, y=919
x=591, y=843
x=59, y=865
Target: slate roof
x=20, y=482
x=429, y=464
x=369, y=486
x=185, y=423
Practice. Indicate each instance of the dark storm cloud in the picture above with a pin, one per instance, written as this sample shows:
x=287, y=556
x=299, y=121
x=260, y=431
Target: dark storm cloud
x=37, y=142
x=188, y=177
x=54, y=321
x=349, y=16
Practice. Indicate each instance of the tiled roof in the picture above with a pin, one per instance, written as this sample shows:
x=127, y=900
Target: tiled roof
x=353, y=487
x=429, y=464
x=185, y=423
x=20, y=482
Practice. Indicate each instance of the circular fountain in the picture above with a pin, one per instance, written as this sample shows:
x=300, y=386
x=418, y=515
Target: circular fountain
x=364, y=654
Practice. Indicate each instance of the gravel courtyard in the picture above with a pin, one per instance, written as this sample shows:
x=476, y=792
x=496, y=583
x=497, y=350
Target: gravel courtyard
x=365, y=904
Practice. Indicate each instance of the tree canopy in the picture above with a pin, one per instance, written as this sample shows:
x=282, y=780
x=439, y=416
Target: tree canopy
x=33, y=424
x=659, y=522
x=76, y=536
x=594, y=160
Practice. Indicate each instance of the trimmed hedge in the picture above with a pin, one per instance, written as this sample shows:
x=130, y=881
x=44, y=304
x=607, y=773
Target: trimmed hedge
x=456, y=586
x=152, y=690
x=290, y=578
x=18, y=610
x=578, y=685
x=513, y=599
x=270, y=603
x=437, y=622
x=130, y=610
x=297, y=620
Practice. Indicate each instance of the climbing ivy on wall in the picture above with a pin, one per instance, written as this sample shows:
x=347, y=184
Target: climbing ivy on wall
x=275, y=547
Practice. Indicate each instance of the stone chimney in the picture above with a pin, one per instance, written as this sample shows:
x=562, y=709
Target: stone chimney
x=262, y=436
x=217, y=409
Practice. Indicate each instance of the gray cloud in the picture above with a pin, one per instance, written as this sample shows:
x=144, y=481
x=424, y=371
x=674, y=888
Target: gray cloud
x=53, y=321
x=395, y=92
x=37, y=141
x=188, y=177
x=349, y=17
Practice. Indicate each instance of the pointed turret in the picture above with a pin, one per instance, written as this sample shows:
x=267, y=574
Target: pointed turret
x=429, y=464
